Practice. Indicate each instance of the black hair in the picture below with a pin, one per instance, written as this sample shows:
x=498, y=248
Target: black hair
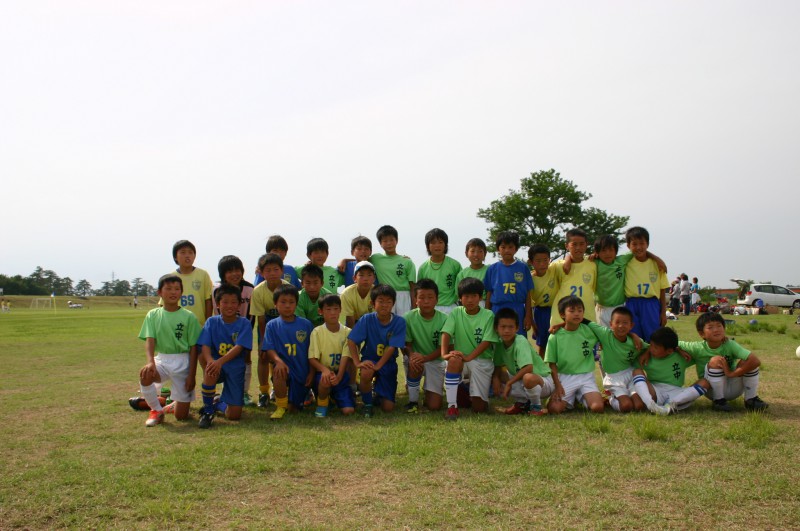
x=229, y=263
x=684, y=276
x=436, y=234
x=604, y=242
x=708, y=317
x=622, y=310
x=506, y=313
x=386, y=230
x=577, y=231
x=330, y=299
x=665, y=337
x=475, y=242
x=382, y=290
x=360, y=240
x=470, y=286
x=636, y=233
x=227, y=289
x=285, y=289
x=538, y=249
x=276, y=241
x=269, y=259
x=180, y=244
x=570, y=301
x=426, y=283
x=169, y=278
x=507, y=236
x=312, y=271
x=316, y=244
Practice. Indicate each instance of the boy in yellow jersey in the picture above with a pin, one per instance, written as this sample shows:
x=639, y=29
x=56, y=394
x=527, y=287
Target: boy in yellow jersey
x=545, y=286
x=197, y=283
x=645, y=286
x=581, y=279
x=356, y=299
x=329, y=355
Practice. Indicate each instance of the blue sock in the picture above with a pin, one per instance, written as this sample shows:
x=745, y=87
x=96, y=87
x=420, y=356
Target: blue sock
x=208, y=392
x=366, y=397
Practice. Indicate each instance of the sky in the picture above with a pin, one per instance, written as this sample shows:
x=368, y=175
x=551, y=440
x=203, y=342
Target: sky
x=126, y=126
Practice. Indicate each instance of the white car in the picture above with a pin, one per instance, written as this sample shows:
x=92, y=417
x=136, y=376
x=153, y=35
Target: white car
x=751, y=294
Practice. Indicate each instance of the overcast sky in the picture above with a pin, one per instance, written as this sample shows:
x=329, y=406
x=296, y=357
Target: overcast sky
x=125, y=126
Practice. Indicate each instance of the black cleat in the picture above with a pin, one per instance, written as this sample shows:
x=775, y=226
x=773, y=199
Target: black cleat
x=755, y=404
x=722, y=405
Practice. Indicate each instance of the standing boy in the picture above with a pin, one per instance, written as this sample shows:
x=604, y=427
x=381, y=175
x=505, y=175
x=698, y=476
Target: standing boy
x=645, y=285
x=441, y=269
x=581, y=278
x=277, y=244
x=508, y=282
x=197, y=283
x=356, y=298
x=545, y=286
x=317, y=253
x=476, y=254
x=394, y=270
x=361, y=249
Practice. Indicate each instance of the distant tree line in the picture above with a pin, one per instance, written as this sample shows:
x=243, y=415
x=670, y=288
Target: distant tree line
x=45, y=282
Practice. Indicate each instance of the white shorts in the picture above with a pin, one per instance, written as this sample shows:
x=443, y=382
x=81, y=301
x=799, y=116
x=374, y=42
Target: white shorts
x=620, y=383
x=734, y=388
x=434, y=376
x=576, y=386
x=518, y=390
x=446, y=309
x=402, y=305
x=665, y=393
x=604, y=314
x=175, y=368
x=480, y=377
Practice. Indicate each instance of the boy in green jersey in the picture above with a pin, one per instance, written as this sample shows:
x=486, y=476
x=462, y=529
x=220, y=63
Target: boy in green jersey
x=423, y=329
x=519, y=371
x=307, y=303
x=476, y=254
x=317, y=253
x=659, y=383
x=395, y=270
x=441, y=269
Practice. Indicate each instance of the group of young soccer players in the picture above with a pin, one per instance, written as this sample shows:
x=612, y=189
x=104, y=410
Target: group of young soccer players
x=462, y=332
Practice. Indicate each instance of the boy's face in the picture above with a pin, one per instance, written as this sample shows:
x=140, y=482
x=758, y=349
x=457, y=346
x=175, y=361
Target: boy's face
x=607, y=254
x=659, y=351
x=286, y=305
x=318, y=258
x=576, y=245
x=507, y=329
x=471, y=302
x=330, y=313
x=389, y=244
x=365, y=278
x=507, y=252
x=312, y=285
x=540, y=262
x=228, y=306
x=573, y=315
x=426, y=300
x=621, y=325
x=436, y=247
x=272, y=273
x=279, y=252
x=638, y=247
x=361, y=252
x=383, y=306
x=713, y=332
x=234, y=277
x=476, y=255
x=171, y=293
x=185, y=257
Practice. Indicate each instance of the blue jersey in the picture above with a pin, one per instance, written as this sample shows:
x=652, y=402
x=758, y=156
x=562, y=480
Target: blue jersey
x=290, y=339
x=509, y=284
x=377, y=336
x=221, y=337
x=348, y=276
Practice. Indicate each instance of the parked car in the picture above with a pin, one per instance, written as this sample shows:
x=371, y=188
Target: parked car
x=761, y=294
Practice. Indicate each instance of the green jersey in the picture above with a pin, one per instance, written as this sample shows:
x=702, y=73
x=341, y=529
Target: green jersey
x=395, y=270
x=423, y=334
x=175, y=332
x=331, y=278
x=469, y=331
x=444, y=274
x=309, y=309
x=572, y=352
x=702, y=353
x=670, y=370
x=611, y=281
x=468, y=272
x=519, y=355
x=616, y=355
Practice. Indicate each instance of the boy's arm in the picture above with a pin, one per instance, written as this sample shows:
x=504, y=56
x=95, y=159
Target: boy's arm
x=558, y=393
x=388, y=353
x=262, y=326
x=528, y=322
x=191, y=379
x=566, y=265
x=488, y=300
x=412, y=288
x=209, y=308
x=751, y=363
x=354, y=354
x=149, y=368
x=349, y=321
x=662, y=266
x=480, y=349
x=318, y=366
x=445, y=347
x=662, y=319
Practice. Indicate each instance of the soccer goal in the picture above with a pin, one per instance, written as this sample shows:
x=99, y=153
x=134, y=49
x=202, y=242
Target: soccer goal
x=41, y=304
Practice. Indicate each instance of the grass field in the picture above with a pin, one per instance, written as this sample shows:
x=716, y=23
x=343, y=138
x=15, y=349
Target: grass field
x=75, y=455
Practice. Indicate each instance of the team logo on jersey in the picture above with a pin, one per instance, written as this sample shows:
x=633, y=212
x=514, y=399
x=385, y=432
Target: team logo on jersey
x=518, y=277
x=300, y=335
x=234, y=336
x=196, y=284
x=389, y=336
x=587, y=278
x=653, y=277
x=552, y=283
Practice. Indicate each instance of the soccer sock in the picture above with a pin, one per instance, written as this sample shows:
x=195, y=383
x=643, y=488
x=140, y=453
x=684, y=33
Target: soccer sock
x=716, y=378
x=248, y=377
x=689, y=394
x=640, y=384
x=614, y=403
x=208, y=397
x=263, y=389
x=451, y=382
x=413, y=388
x=751, y=384
x=534, y=395
x=366, y=397
x=282, y=402
x=151, y=396
x=323, y=402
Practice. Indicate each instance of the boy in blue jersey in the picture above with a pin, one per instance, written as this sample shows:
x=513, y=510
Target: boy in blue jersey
x=286, y=342
x=382, y=334
x=226, y=342
x=508, y=283
x=277, y=244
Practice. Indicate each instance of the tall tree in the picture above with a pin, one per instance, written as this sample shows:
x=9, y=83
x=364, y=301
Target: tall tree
x=544, y=208
x=83, y=288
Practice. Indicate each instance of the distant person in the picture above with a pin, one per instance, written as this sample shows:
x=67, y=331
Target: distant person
x=675, y=296
x=695, y=291
x=135, y=302
x=686, y=294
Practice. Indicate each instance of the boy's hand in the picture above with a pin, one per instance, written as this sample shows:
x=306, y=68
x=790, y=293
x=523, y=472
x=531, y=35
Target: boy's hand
x=280, y=370
x=148, y=372
x=453, y=354
x=506, y=390
x=556, y=327
x=416, y=362
x=213, y=368
x=558, y=394
x=644, y=358
x=685, y=355
x=190, y=383
x=367, y=364
x=637, y=341
x=496, y=385
x=527, y=323
x=309, y=378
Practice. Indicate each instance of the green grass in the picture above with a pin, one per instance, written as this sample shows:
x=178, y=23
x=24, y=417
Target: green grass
x=75, y=455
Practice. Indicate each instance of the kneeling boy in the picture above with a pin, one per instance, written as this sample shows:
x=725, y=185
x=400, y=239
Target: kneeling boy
x=328, y=355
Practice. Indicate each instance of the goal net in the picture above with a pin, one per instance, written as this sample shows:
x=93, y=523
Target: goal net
x=42, y=303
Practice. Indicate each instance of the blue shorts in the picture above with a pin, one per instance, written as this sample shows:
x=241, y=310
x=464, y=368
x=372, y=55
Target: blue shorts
x=340, y=393
x=646, y=315
x=385, y=383
x=541, y=317
x=297, y=391
x=518, y=307
x=232, y=379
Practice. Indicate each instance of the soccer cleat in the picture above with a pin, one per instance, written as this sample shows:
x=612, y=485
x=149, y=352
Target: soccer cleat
x=517, y=409
x=263, y=400
x=248, y=401
x=138, y=403
x=367, y=411
x=755, y=404
x=321, y=412
x=220, y=406
x=412, y=407
x=721, y=405
x=606, y=395
x=536, y=410
x=206, y=419
x=452, y=413
x=169, y=409
x=659, y=410
x=309, y=398
x=155, y=418
x=278, y=413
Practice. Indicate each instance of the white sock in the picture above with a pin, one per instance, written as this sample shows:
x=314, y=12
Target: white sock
x=640, y=384
x=534, y=395
x=451, y=381
x=413, y=389
x=614, y=403
x=750, y=381
x=716, y=378
x=689, y=394
x=151, y=396
x=248, y=377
